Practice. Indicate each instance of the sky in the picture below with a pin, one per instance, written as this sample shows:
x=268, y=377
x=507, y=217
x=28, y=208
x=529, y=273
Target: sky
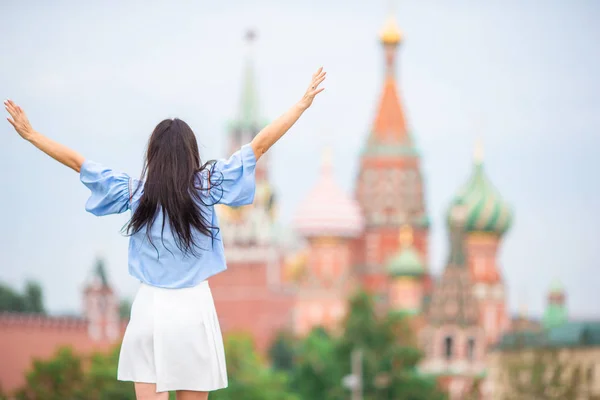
x=98, y=76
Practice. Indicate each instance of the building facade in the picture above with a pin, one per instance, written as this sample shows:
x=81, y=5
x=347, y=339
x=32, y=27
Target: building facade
x=559, y=360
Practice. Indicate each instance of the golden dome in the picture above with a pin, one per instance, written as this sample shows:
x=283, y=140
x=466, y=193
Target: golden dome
x=391, y=34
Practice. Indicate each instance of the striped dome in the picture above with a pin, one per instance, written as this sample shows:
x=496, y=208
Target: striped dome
x=482, y=207
x=327, y=210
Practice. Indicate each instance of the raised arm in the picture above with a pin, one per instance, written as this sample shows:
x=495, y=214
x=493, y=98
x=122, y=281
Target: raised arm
x=276, y=129
x=60, y=153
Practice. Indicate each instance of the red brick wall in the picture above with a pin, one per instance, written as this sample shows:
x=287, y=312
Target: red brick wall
x=25, y=338
x=245, y=303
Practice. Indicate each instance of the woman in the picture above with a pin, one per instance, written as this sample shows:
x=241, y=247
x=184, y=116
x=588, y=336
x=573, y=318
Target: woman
x=173, y=341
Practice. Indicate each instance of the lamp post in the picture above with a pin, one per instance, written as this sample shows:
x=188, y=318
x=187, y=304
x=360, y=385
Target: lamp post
x=354, y=381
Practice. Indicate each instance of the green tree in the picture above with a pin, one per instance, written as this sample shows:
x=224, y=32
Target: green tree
x=389, y=361
x=59, y=378
x=74, y=377
x=281, y=352
x=249, y=377
x=101, y=378
x=125, y=309
x=317, y=371
x=29, y=302
x=3, y=395
x=10, y=300
x=390, y=354
x=33, y=298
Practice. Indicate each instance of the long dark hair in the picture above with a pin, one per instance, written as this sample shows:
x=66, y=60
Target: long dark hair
x=171, y=182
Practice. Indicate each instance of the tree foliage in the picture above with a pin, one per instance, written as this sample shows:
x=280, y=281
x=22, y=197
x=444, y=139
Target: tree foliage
x=31, y=301
x=124, y=309
x=281, y=352
x=249, y=376
x=75, y=377
x=389, y=359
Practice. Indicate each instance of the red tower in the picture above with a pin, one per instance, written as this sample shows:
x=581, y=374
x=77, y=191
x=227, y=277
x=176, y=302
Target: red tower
x=390, y=184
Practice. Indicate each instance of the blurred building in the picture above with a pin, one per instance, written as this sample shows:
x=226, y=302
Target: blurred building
x=376, y=238
x=26, y=337
x=562, y=360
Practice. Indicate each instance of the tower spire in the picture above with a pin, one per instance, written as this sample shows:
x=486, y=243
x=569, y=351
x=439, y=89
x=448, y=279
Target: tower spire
x=248, y=117
x=390, y=127
x=390, y=37
x=478, y=151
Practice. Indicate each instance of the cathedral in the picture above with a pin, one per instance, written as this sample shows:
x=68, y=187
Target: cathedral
x=376, y=238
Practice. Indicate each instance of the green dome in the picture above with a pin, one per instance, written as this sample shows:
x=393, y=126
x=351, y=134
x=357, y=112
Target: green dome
x=481, y=206
x=406, y=262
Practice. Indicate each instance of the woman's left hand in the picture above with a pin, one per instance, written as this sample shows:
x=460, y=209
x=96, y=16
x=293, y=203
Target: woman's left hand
x=19, y=120
x=313, y=89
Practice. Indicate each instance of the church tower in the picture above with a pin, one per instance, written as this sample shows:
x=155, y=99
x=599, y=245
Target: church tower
x=488, y=218
x=406, y=270
x=453, y=340
x=248, y=231
x=329, y=220
x=389, y=186
x=101, y=308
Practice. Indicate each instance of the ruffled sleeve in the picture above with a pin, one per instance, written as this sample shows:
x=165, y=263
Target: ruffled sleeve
x=232, y=181
x=110, y=189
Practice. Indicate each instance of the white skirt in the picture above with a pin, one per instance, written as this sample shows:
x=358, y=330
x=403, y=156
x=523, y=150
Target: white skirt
x=173, y=339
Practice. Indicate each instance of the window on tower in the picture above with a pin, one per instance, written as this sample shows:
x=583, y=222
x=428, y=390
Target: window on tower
x=471, y=349
x=448, y=347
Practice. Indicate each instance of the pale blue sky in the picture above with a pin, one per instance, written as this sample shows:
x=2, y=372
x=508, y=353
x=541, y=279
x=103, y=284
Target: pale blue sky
x=99, y=76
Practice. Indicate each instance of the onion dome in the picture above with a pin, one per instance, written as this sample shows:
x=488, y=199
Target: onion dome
x=407, y=261
x=328, y=210
x=484, y=208
x=391, y=34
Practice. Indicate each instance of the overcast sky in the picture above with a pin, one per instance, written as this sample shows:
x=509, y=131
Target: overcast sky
x=98, y=76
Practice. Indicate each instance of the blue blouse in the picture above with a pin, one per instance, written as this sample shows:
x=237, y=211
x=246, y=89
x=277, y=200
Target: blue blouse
x=232, y=183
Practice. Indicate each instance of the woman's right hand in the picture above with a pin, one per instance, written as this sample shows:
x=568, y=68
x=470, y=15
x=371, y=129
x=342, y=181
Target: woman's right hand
x=19, y=120
x=313, y=89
